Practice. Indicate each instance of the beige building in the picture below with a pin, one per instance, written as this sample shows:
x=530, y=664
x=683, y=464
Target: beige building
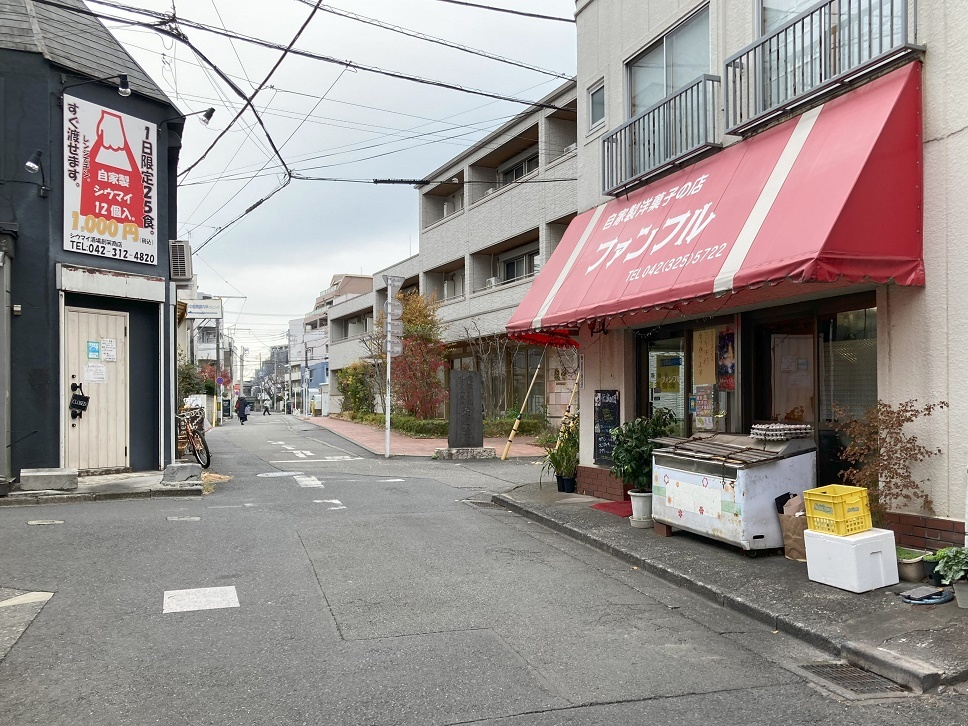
x=770, y=223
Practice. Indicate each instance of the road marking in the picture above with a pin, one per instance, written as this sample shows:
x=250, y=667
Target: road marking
x=185, y=519
x=291, y=448
x=324, y=458
x=387, y=481
x=273, y=474
x=337, y=502
x=276, y=443
x=46, y=521
x=200, y=598
x=247, y=504
x=26, y=598
x=303, y=454
x=226, y=506
x=308, y=481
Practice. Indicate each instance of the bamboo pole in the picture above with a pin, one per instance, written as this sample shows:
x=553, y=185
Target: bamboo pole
x=524, y=405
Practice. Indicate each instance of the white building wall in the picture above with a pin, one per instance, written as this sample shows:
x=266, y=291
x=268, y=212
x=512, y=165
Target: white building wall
x=922, y=339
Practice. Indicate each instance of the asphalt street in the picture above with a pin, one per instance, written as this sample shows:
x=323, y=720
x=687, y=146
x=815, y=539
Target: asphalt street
x=344, y=588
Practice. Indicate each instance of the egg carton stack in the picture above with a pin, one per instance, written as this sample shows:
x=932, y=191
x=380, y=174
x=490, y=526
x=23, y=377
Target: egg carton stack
x=781, y=432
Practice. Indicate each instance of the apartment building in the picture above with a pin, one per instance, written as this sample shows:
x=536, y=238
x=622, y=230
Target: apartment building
x=771, y=224
x=489, y=219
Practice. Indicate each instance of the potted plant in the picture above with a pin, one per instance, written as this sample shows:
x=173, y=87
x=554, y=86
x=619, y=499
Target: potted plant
x=952, y=564
x=909, y=566
x=930, y=562
x=562, y=455
x=632, y=459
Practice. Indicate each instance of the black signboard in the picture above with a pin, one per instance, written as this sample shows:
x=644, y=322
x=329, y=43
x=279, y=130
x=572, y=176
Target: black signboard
x=79, y=402
x=606, y=419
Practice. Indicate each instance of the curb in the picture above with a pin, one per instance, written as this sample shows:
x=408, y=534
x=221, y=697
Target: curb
x=919, y=676
x=28, y=500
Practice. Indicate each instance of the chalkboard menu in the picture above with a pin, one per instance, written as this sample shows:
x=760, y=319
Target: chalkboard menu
x=606, y=419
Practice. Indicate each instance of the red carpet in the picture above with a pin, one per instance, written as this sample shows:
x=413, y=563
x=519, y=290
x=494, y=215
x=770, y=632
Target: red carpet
x=622, y=509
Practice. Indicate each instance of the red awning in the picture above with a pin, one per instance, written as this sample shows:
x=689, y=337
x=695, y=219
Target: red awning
x=833, y=195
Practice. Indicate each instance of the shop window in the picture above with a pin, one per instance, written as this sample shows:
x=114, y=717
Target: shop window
x=713, y=390
x=848, y=379
x=784, y=374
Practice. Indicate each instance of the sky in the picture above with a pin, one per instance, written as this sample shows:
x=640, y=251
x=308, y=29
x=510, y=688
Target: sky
x=334, y=122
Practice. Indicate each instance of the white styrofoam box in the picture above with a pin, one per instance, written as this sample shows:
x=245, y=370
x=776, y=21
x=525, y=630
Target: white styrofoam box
x=858, y=562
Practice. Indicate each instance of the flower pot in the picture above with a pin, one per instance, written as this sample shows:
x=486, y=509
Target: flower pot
x=910, y=570
x=929, y=569
x=641, y=509
x=568, y=484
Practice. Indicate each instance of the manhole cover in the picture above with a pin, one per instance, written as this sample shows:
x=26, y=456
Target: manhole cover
x=853, y=678
x=483, y=505
x=273, y=474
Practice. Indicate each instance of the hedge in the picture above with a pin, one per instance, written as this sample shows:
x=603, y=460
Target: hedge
x=436, y=428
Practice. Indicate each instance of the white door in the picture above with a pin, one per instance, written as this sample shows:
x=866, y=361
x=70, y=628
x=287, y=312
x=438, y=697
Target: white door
x=96, y=364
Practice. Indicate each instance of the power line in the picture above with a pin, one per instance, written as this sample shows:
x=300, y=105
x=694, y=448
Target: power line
x=164, y=19
x=506, y=10
x=248, y=102
x=438, y=41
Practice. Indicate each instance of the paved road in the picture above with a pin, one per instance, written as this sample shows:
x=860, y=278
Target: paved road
x=371, y=592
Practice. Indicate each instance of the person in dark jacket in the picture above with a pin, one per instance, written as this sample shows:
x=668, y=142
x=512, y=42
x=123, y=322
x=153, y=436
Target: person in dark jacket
x=242, y=409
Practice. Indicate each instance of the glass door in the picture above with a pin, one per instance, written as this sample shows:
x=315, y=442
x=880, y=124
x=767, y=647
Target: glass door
x=784, y=374
x=667, y=379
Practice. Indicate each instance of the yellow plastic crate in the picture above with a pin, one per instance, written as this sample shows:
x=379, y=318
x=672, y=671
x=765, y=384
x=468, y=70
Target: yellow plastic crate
x=837, y=509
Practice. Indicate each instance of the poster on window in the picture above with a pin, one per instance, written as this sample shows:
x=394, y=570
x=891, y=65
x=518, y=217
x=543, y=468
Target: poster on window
x=110, y=191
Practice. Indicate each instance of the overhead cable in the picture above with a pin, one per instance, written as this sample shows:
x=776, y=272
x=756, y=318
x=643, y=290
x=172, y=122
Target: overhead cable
x=164, y=19
x=508, y=10
x=438, y=41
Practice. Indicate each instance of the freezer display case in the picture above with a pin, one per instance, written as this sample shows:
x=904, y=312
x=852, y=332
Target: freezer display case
x=724, y=486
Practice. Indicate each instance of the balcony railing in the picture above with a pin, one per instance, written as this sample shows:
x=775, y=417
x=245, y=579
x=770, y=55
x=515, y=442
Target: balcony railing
x=676, y=128
x=824, y=46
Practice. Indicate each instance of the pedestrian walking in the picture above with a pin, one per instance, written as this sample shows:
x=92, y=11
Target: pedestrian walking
x=242, y=409
x=265, y=407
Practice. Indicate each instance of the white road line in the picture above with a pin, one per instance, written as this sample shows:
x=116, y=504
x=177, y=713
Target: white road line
x=323, y=459
x=248, y=505
x=273, y=474
x=303, y=454
x=387, y=481
x=200, y=598
x=46, y=521
x=291, y=448
x=226, y=506
x=26, y=598
x=308, y=481
x=276, y=443
x=184, y=519
x=337, y=502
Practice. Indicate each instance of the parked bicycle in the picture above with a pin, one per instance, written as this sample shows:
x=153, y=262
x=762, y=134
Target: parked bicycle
x=192, y=422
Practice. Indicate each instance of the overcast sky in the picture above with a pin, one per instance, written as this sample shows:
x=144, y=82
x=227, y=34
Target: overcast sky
x=366, y=126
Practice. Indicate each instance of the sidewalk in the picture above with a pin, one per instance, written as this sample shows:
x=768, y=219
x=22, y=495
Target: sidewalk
x=917, y=645
x=373, y=439
x=106, y=487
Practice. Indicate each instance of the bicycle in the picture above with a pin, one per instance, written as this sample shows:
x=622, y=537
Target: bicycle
x=192, y=422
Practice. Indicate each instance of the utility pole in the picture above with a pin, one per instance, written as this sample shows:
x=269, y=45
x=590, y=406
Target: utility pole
x=306, y=377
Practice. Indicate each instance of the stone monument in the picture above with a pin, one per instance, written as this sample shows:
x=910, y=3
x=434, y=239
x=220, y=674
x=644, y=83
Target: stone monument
x=465, y=433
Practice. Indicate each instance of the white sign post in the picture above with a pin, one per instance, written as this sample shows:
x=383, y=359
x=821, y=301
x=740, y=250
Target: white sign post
x=394, y=345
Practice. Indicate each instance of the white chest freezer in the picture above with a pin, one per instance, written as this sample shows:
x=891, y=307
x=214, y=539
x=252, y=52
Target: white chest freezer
x=724, y=486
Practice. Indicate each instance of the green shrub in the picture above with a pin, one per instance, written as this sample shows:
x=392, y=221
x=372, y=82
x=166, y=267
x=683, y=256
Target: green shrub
x=356, y=384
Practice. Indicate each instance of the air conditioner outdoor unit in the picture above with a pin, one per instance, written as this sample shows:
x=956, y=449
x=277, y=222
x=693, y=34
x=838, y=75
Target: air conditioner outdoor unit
x=570, y=148
x=448, y=289
x=492, y=282
x=180, y=257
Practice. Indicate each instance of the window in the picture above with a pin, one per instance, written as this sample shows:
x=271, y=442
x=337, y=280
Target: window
x=680, y=57
x=520, y=266
x=774, y=13
x=522, y=168
x=596, y=106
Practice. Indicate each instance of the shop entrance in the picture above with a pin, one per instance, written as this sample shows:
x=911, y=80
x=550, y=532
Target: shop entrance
x=667, y=379
x=96, y=366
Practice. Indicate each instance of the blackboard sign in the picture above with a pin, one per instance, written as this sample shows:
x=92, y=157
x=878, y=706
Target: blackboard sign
x=606, y=419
